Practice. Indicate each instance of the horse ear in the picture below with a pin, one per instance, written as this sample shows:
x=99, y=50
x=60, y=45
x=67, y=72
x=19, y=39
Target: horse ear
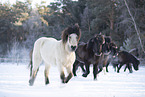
x=70, y=30
x=77, y=30
x=64, y=36
x=77, y=25
x=108, y=39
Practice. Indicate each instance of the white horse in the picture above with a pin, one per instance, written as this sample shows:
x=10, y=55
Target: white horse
x=56, y=52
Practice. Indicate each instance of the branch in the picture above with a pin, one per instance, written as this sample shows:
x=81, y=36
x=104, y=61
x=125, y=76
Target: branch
x=137, y=31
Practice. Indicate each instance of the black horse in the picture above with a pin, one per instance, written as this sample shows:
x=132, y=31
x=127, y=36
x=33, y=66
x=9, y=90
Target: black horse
x=127, y=58
x=89, y=53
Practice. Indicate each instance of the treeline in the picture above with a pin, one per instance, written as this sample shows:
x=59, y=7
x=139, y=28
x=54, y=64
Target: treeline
x=21, y=25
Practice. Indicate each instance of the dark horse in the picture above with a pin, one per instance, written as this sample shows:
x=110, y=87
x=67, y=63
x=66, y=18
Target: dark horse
x=105, y=52
x=109, y=50
x=89, y=53
x=113, y=53
x=127, y=58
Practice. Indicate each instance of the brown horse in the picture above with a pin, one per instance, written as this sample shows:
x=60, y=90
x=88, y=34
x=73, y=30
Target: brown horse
x=105, y=52
x=89, y=53
x=113, y=52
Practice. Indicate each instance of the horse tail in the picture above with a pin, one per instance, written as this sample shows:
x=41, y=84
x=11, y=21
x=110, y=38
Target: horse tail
x=30, y=63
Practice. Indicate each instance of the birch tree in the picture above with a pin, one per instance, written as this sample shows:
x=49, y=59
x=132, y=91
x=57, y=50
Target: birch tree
x=135, y=26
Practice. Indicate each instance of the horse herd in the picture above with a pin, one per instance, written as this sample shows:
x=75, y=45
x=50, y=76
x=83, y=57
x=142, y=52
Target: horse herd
x=69, y=53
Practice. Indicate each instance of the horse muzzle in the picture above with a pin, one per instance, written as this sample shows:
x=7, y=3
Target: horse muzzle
x=73, y=48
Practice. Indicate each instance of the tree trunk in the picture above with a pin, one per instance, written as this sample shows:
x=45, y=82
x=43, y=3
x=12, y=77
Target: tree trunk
x=134, y=23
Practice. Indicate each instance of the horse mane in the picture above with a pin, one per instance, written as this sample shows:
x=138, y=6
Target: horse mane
x=108, y=39
x=70, y=30
x=100, y=38
x=90, y=44
x=89, y=47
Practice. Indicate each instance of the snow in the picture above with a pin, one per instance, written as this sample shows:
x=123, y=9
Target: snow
x=14, y=83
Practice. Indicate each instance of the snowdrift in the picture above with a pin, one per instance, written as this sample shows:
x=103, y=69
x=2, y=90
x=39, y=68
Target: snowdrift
x=14, y=83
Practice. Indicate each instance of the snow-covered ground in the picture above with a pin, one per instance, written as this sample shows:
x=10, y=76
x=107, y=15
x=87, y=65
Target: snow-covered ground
x=14, y=83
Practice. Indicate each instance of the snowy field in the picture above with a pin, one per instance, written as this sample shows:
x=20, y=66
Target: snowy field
x=14, y=83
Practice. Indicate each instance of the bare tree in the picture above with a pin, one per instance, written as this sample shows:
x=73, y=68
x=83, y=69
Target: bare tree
x=134, y=23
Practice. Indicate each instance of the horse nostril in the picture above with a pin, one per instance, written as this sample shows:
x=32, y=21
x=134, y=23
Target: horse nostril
x=73, y=47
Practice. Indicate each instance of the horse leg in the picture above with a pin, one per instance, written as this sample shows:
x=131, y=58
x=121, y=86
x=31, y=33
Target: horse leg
x=31, y=67
x=87, y=70
x=130, y=68
x=95, y=71
x=62, y=75
x=33, y=76
x=46, y=73
x=125, y=67
x=70, y=74
x=82, y=66
x=30, y=63
x=115, y=66
x=75, y=67
x=100, y=67
x=119, y=68
x=107, y=66
x=36, y=62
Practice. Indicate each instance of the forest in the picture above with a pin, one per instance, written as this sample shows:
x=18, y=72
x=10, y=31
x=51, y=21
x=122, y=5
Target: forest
x=21, y=25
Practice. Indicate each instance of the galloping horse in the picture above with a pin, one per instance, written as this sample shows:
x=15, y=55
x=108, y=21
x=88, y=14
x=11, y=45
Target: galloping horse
x=113, y=53
x=56, y=52
x=127, y=58
x=89, y=53
x=105, y=52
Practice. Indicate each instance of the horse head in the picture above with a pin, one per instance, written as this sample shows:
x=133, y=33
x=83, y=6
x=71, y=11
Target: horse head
x=108, y=39
x=114, y=49
x=106, y=46
x=96, y=44
x=71, y=37
x=136, y=64
x=105, y=49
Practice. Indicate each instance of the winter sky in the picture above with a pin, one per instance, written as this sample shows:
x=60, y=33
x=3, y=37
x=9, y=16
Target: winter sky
x=34, y=2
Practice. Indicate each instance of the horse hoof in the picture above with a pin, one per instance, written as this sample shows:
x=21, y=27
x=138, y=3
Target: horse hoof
x=31, y=82
x=46, y=81
x=131, y=71
x=63, y=81
x=84, y=75
x=95, y=79
x=74, y=74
